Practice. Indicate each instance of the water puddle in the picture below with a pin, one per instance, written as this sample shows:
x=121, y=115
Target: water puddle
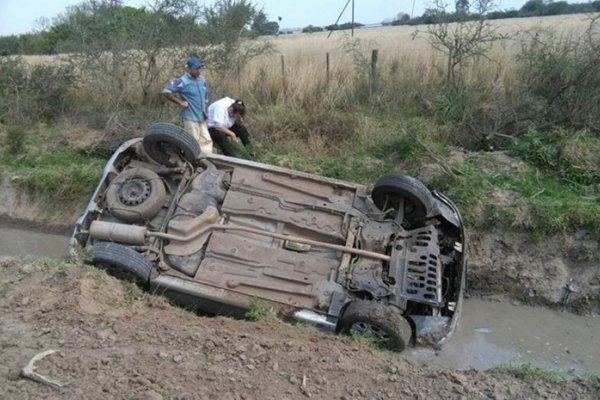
x=18, y=242
x=495, y=333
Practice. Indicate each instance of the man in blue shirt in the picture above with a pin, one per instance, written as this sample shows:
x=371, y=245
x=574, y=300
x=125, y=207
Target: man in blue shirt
x=190, y=92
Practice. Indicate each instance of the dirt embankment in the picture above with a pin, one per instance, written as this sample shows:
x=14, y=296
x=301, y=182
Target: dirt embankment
x=113, y=341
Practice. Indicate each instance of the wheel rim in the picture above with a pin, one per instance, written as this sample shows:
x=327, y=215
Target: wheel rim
x=135, y=192
x=369, y=330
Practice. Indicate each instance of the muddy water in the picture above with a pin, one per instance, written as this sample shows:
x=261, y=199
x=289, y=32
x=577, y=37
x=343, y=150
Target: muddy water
x=17, y=242
x=489, y=333
x=495, y=333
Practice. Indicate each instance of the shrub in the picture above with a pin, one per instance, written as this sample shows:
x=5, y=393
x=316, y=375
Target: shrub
x=13, y=80
x=14, y=141
x=560, y=78
x=49, y=88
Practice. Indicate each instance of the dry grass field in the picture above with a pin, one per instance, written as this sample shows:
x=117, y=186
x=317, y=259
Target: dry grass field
x=403, y=60
x=401, y=57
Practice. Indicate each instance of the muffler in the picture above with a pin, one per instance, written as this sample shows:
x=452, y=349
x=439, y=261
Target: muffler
x=119, y=233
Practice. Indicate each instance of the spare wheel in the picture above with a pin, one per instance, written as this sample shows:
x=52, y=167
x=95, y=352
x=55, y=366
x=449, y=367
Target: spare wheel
x=136, y=194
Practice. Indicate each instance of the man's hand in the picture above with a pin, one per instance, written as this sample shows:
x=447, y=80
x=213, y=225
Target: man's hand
x=184, y=104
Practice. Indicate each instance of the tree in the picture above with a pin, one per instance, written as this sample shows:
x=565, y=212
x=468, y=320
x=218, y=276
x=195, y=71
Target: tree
x=462, y=6
x=227, y=23
x=124, y=49
x=556, y=8
x=311, y=29
x=534, y=7
x=262, y=26
x=463, y=39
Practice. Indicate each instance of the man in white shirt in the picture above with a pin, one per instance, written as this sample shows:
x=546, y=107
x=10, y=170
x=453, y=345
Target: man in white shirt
x=225, y=118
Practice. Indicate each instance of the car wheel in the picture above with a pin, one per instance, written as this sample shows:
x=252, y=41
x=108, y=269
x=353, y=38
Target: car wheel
x=122, y=260
x=379, y=322
x=165, y=143
x=391, y=188
x=136, y=194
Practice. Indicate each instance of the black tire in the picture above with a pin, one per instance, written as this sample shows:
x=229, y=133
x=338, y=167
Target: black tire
x=122, y=260
x=136, y=194
x=163, y=140
x=383, y=323
x=418, y=200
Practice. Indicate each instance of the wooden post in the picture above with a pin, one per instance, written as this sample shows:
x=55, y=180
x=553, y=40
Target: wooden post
x=327, y=69
x=283, y=72
x=374, y=55
x=239, y=79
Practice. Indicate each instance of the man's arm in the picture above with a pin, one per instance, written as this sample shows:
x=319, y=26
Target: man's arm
x=226, y=131
x=170, y=91
x=176, y=99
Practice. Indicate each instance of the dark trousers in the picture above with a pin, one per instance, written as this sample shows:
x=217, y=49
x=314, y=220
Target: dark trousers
x=223, y=141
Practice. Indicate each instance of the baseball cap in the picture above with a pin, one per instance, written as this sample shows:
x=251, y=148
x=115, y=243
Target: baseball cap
x=194, y=62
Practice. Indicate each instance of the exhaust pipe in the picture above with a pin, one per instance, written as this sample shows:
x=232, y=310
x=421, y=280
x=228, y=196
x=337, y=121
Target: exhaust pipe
x=315, y=319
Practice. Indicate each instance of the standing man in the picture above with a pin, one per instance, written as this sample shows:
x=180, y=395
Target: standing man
x=225, y=119
x=190, y=92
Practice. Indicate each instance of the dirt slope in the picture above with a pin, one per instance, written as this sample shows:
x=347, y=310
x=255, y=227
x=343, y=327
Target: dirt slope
x=117, y=342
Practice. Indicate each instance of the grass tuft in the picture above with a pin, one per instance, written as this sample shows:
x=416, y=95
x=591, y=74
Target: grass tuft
x=257, y=310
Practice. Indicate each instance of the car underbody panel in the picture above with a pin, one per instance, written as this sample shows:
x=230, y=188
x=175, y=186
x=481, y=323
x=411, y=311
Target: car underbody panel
x=232, y=231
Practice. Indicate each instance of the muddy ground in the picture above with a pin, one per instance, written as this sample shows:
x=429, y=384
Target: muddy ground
x=115, y=341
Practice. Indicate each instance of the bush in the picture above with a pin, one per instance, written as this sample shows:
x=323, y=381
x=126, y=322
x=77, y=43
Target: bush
x=452, y=105
x=14, y=141
x=44, y=92
x=49, y=89
x=13, y=80
x=560, y=78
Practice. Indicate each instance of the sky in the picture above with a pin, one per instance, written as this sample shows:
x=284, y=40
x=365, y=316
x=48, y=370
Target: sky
x=21, y=16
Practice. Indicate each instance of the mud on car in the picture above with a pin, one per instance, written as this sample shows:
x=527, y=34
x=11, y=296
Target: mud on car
x=219, y=234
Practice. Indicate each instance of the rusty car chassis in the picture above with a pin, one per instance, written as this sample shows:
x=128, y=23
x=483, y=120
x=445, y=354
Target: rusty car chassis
x=220, y=234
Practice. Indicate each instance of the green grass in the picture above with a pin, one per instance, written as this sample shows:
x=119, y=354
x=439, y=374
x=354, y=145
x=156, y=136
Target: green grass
x=131, y=291
x=54, y=266
x=556, y=206
x=257, y=310
x=58, y=175
x=542, y=202
x=528, y=371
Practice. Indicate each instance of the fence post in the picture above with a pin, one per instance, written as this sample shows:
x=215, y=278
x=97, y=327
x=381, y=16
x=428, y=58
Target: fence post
x=283, y=73
x=374, y=56
x=239, y=78
x=327, y=68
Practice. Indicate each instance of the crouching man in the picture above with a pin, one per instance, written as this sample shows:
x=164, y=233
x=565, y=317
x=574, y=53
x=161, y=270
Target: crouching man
x=225, y=124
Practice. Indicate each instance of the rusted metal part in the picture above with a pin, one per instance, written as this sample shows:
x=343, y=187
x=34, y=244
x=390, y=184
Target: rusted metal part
x=320, y=223
x=217, y=227
x=187, y=229
x=345, y=261
x=120, y=233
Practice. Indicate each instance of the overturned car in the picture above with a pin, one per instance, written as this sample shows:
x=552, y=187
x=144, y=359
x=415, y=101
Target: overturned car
x=219, y=234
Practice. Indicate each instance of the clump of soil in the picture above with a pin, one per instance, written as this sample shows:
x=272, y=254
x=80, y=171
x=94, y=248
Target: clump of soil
x=114, y=341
